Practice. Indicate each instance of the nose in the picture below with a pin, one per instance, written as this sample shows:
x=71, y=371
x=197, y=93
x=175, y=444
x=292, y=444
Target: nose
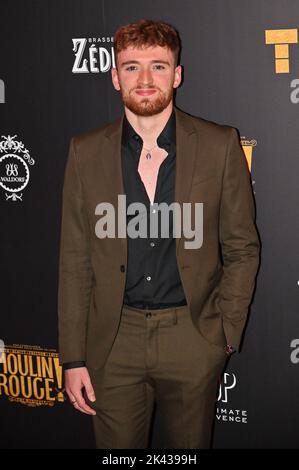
x=145, y=77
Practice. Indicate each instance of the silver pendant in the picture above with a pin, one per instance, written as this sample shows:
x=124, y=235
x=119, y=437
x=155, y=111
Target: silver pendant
x=148, y=156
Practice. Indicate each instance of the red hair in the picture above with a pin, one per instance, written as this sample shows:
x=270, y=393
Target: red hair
x=147, y=33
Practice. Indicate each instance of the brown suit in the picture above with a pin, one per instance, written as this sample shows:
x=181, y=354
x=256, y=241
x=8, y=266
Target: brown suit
x=210, y=168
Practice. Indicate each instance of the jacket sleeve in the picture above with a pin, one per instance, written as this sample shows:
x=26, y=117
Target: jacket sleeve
x=73, y=365
x=239, y=241
x=75, y=269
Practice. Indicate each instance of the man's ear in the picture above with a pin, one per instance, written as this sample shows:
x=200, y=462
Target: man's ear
x=177, y=76
x=114, y=77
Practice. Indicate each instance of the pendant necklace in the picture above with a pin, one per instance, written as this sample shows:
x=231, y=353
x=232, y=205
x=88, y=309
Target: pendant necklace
x=148, y=155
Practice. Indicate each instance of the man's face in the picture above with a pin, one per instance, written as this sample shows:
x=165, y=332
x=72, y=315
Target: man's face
x=146, y=79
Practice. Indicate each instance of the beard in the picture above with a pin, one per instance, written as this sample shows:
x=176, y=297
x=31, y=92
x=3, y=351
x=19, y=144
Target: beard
x=147, y=106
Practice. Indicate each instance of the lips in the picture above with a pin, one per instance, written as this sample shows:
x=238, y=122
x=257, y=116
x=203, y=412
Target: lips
x=145, y=92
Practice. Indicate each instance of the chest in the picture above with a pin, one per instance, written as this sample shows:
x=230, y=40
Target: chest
x=148, y=168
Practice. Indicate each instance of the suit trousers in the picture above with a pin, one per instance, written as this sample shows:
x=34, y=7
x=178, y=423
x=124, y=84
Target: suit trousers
x=158, y=356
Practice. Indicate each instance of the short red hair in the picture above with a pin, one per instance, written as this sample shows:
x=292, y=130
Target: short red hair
x=147, y=33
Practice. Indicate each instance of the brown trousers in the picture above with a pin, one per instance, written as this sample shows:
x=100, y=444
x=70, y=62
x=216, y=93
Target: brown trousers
x=157, y=356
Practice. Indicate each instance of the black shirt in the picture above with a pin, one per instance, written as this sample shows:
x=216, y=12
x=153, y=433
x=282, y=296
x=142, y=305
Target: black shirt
x=153, y=279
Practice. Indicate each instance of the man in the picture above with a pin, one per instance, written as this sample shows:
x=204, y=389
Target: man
x=151, y=319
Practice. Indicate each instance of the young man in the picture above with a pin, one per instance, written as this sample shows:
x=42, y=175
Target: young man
x=153, y=319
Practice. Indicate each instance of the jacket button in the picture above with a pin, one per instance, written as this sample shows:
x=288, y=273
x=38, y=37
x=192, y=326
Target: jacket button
x=122, y=268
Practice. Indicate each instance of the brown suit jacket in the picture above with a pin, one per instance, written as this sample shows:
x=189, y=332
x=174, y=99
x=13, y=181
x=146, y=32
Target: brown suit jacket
x=218, y=278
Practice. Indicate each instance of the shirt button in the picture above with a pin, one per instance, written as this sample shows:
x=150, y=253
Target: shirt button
x=122, y=268
x=152, y=244
x=148, y=315
x=148, y=278
x=154, y=211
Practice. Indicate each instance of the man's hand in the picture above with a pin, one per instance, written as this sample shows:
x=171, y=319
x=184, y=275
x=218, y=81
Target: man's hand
x=229, y=349
x=75, y=380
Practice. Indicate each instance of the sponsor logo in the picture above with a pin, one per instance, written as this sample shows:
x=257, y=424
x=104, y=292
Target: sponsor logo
x=15, y=161
x=30, y=375
x=93, y=55
x=226, y=414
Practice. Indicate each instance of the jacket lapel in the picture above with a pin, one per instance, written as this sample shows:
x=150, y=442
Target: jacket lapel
x=113, y=168
x=186, y=147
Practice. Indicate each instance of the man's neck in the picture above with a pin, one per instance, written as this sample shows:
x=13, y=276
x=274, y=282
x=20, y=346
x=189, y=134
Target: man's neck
x=149, y=127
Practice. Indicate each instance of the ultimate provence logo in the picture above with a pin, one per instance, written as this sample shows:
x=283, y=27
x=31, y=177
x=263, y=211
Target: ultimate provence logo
x=14, y=167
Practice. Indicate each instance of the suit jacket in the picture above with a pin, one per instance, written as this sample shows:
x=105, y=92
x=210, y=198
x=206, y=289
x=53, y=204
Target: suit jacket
x=218, y=278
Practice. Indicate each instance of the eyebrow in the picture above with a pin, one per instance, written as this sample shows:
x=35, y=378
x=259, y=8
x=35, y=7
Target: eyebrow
x=152, y=62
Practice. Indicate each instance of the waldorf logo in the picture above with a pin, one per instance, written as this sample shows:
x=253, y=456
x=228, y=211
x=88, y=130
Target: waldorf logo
x=14, y=167
x=31, y=375
x=93, y=55
x=226, y=414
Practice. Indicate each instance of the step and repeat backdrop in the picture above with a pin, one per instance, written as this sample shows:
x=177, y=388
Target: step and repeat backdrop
x=241, y=68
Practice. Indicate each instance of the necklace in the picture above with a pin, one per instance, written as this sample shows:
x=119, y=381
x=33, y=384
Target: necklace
x=148, y=155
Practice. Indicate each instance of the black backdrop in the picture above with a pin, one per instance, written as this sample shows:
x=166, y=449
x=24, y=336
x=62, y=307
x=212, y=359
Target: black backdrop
x=233, y=74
